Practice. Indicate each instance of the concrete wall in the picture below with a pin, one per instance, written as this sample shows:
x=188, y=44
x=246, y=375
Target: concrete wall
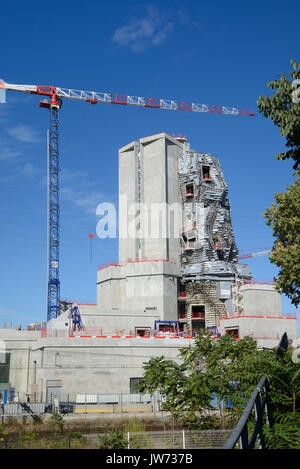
x=111, y=288
x=22, y=366
x=259, y=298
x=91, y=366
x=267, y=331
x=148, y=174
x=159, y=186
x=138, y=287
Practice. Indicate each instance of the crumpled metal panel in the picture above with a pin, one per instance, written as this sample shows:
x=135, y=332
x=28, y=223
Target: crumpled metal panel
x=209, y=211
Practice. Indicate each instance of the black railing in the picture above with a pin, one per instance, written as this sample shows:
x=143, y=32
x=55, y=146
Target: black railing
x=258, y=401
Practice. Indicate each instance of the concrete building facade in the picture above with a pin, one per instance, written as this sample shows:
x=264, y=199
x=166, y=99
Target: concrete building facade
x=178, y=272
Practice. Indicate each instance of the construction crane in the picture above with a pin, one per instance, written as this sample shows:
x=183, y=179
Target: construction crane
x=254, y=254
x=53, y=101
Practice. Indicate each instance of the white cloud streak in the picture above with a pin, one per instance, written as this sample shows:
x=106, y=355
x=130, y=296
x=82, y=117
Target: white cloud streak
x=152, y=29
x=77, y=188
x=22, y=133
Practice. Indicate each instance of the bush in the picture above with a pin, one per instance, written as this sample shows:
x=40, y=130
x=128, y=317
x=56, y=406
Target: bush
x=114, y=439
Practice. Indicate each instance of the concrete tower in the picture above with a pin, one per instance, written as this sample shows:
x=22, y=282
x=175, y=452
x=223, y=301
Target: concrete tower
x=177, y=253
x=150, y=218
x=150, y=208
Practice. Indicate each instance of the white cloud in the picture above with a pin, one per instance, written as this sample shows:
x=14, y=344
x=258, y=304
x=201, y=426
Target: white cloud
x=7, y=152
x=23, y=133
x=152, y=29
x=76, y=187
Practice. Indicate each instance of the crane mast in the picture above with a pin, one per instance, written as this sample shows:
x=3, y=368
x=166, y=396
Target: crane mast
x=53, y=101
x=53, y=294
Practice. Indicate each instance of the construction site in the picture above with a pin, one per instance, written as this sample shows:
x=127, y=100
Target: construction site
x=178, y=272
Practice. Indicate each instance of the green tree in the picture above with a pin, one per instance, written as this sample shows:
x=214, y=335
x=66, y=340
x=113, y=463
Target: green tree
x=168, y=378
x=283, y=108
x=284, y=219
x=229, y=369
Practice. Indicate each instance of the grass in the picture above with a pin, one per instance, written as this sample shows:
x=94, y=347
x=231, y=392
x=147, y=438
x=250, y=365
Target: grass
x=55, y=432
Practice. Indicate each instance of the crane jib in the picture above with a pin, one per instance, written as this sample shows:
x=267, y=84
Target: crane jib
x=93, y=97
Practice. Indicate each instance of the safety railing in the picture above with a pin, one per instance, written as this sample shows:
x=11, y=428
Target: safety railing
x=97, y=332
x=260, y=405
x=255, y=314
x=134, y=261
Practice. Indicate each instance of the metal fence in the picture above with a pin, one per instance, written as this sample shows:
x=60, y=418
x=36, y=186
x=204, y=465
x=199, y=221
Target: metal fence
x=22, y=408
x=113, y=398
x=178, y=439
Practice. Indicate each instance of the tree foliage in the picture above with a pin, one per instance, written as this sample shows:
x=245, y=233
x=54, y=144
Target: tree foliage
x=114, y=439
x=284, y=219
x=229, y=369
x=284, y=110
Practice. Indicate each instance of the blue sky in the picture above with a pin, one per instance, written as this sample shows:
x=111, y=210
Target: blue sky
x=219, y=53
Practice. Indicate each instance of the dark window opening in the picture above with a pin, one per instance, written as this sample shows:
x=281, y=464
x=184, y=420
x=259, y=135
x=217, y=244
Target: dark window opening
x=233, y=332
x=181, y=311
x=189, y=190
x=4, y=367
x=133, y=383
x=206, y=172
x=142, y=331
x=190, y=244
x=198, y=312
x=217, y=243
x=220, y=254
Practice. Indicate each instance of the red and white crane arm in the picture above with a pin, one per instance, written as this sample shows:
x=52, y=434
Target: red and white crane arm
x=254, y=254
x=56, y=94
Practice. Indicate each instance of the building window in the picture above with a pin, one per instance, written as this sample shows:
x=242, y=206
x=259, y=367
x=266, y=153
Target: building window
x=233, y=331
x=220, y=254
x=190, y=244
x=198, y=312
x=133, y=382
x=142, y=331
x=181, y=311
x=218, y=248
x=189, y=190
x=4, y=368
x=217, y=243
x=206, y=173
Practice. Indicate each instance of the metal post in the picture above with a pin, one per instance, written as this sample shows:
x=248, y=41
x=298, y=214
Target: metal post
x=128, y=440
x=244, y=438
x=183, y=439
x=258, y=417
